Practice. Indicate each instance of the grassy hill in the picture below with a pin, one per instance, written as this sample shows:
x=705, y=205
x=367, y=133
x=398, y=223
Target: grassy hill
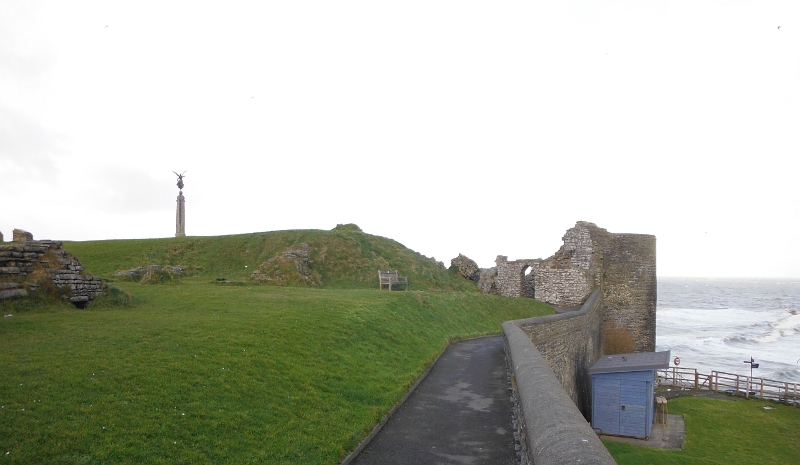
x=344, y=257
x=203, y=373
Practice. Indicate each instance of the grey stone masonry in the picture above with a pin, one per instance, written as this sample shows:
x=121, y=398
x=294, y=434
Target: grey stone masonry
x=630, y=287
x=511, y=279
x=180, y=216
x=24, y=262
x=9, y=290
x=22, y=236
x=467, y=267
x=565, y=287
x=570, y=343
x=621, y=266
x=550, y=428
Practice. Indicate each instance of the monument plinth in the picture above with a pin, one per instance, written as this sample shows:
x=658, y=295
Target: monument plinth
x=180, y=212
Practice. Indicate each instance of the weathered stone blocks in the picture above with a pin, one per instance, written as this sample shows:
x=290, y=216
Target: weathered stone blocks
x=22, y=236
x=467, y=267
x=487, y=280
x=21, y=260
x=511, y=276
x=621, y=266
x=10, y=290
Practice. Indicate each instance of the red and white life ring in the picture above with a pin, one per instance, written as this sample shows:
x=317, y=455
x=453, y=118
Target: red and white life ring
x=677, y=361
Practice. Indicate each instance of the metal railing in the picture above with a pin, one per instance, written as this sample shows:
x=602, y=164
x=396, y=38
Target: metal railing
x=730, y=383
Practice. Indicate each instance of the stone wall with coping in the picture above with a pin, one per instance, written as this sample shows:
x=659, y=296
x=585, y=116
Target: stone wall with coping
x=550, y=427
x=570, y=343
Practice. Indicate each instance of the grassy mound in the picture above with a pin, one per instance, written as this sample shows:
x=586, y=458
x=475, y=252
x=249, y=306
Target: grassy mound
x=343, y=258
x=204, y=373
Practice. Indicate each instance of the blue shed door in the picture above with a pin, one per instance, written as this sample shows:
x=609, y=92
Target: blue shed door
x=633, y=408
x=605, y=405
x=619, y=406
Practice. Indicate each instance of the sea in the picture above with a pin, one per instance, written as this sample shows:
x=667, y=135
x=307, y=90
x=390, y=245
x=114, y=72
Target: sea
x=720, y=324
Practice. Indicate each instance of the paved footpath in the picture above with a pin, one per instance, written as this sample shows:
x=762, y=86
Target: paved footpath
x=459, y=414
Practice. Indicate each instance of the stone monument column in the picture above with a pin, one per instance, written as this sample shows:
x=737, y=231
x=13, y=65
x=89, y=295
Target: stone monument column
x=180, y=212
x=180, y=216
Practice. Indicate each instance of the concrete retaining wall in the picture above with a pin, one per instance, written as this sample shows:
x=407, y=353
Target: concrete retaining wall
x=551, y=428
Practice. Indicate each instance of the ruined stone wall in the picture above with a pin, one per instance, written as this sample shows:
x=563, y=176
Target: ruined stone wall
x=562, y=287
x=22, y=259
x=510, y=280
x=630, y=287
x=621, y=266
x=570, y=343
x=613, y=277
x=569, y=276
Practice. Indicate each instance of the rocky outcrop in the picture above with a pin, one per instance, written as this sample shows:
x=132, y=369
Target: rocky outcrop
x=290, y=267
x=438, y=263
x=145, y=272
x=27, y=265
x=485, y=278
x=466, y=267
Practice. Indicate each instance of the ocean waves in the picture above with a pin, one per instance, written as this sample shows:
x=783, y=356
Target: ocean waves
x=720, y=324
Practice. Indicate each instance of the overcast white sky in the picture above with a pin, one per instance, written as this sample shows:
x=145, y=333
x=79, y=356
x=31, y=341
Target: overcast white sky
x=483, y=128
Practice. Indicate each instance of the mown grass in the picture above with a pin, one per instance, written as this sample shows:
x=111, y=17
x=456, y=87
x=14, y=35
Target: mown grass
x=725, y=432
x=203, y=373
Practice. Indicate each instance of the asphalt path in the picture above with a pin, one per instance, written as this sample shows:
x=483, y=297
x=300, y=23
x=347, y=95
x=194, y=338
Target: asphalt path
x=459, y=414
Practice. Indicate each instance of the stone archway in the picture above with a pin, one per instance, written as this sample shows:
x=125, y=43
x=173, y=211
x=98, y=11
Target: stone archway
x=528, y=282
x=513, y=276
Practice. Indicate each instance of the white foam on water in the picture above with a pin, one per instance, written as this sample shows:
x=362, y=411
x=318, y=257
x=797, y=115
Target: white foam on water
x=720, y=324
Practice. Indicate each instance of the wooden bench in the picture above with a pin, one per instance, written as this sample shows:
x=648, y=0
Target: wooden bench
x=390, y=278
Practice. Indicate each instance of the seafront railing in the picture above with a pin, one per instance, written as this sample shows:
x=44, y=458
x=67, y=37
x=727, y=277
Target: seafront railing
x=730, y=383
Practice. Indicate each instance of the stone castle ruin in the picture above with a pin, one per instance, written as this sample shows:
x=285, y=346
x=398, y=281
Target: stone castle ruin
x=621, y=266
x=612, y=277
x=28, y=266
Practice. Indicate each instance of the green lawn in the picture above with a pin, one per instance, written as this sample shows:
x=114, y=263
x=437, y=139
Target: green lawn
x=204, y=373
x=195, y=371
x=725, y=432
